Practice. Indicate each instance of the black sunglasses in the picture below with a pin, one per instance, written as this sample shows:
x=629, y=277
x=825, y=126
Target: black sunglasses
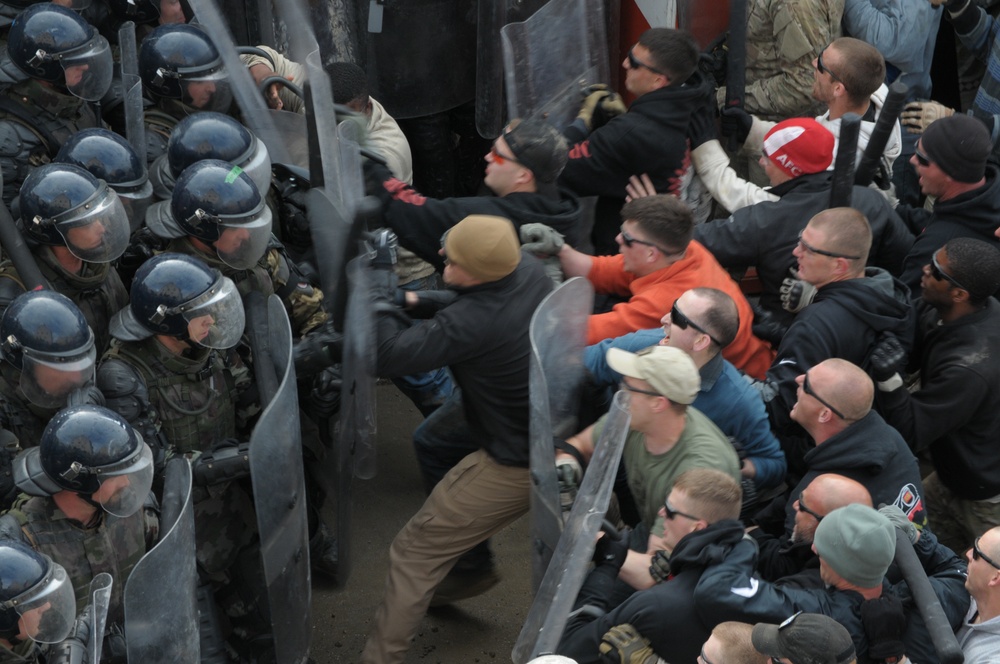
x=940, y=274
x=808, y=390
x=637, y=390
x=977, y=553
x=636, y=63
x=683, y=322
x=921, y=158
x=824, y=70
x=823, y=252
x=673, y=514
x=630, y=239
x=804, y=508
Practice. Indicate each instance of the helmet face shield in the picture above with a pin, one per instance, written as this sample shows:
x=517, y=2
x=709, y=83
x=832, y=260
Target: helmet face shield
x=88, y=69
x=124, y=489
x=97, y=231
x=136, y=202
x=47, y=611
x=208, y=91
x=241, y=245
x=215, y=319
x=258, y=167
x=46, y=380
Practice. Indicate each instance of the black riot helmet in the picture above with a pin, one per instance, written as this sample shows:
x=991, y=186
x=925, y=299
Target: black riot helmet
x=217, y=136
x=52, y=43
x=179, y=61
x=64, y=205
x=34, y=588
x=217, y=203
x=44, y=335
x=179, y=296
x=109, y=157
x=93, y=451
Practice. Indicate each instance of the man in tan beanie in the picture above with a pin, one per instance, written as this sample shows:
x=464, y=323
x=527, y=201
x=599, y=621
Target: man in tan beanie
x=482, y=336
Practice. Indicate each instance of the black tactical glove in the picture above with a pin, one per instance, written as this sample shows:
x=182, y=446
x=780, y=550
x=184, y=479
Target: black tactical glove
x=321, y=348
x=599, y=106
x=736, y=122
x=766, y=326
x=622, y=644
x=611, y=550
x=702, y=127
x=796, y=294
x=887, y=358
x=659, y=566
x=228, y=460
x=324, y=397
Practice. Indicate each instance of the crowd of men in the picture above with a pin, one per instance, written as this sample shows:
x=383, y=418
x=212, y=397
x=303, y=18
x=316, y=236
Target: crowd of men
x=777, y=442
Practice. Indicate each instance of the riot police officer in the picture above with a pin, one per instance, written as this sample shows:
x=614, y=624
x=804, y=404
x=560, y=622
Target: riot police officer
x=36, y=602
x=84, y=489
x=182, y=72
x=217, y=213
x=77, y=226
x=171, y=369
x=62, y=64
x=48, y=357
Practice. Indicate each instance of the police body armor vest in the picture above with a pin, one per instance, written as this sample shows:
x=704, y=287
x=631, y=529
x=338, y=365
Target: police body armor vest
x=195, y=398
x=159, y=126
x=114, y=546
x=35, y=121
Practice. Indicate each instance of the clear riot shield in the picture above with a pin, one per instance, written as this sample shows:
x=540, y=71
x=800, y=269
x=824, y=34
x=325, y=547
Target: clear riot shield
x=492, y=16
x=161, y=613
x=558, y=334
x=357, y=400
x=280, y=497
x=135, y=128
x=552, y=57
x=100, y=599
x=281, y=133
x=562, y=581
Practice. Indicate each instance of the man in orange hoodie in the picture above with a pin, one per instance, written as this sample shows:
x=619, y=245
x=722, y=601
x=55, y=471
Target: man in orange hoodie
x=657, y=262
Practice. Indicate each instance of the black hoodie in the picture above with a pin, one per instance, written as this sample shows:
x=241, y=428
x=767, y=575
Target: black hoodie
x=420, y=222
x=974, y=214
x=651, y=138
x=845, y=320
x=665, y=614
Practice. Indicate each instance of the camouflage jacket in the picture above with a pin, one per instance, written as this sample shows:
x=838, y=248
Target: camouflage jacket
x=194, y=399
x=114, y=545
x=783, y=37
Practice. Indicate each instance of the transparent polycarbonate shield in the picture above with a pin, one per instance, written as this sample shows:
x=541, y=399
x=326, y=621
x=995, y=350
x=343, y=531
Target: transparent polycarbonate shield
x=161, y=612
x=558, y=334
x=100, y=599
x=552, y=58
x=135, y=128
x=276, y=472
x=564, y=577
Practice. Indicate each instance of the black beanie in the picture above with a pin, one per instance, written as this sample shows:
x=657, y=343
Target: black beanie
x=959, y=145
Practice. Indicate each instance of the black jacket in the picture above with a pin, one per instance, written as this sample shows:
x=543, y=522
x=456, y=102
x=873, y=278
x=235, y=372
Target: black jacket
x=420, y=222
x=652, y=137
x=954, y=412
x=973, y=214
x=764, y=235
x=483, y=337
x=873, y=454
x=730, y=591
x=845, y=320
x=665, y=614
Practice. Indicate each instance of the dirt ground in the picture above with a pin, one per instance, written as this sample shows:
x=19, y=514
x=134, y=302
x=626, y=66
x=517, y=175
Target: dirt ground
x=481, y=629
